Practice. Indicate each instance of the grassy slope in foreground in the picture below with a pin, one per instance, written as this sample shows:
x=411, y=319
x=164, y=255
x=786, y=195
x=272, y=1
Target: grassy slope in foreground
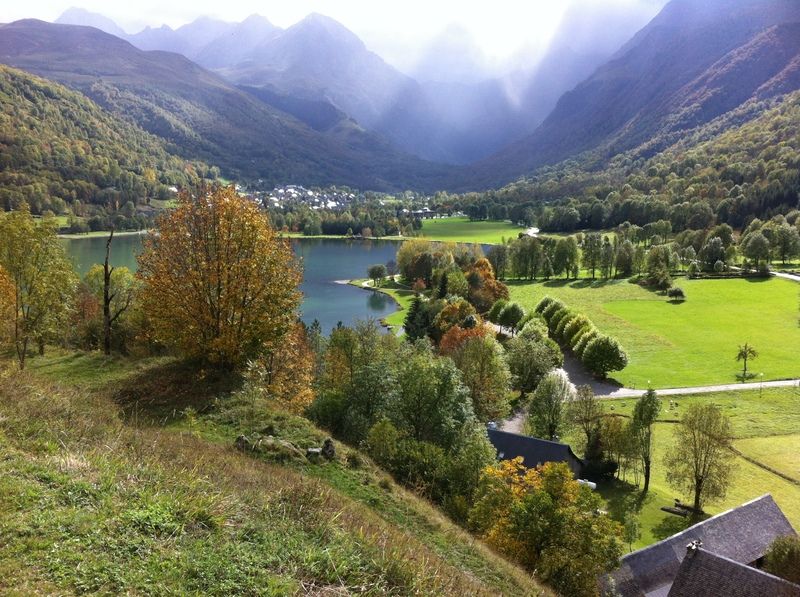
x=99, y=498
x=692, y=343
x=760, y=425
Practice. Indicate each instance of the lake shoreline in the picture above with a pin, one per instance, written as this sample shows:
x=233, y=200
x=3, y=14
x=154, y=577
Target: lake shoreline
x=103, y=234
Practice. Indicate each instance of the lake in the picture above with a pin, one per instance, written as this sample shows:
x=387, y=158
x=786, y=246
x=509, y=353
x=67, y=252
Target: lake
x=325, y=261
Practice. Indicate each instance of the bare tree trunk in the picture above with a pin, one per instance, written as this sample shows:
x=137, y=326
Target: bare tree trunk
x=646, y=476
x=107, y=297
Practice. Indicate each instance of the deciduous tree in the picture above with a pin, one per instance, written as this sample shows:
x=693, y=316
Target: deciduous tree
x=643, y=421
x=547, y=414
x=481, y=360
x=284, y=371
x=783, y=558
x=114, y=288
x=543, y=519
x=377, y=273
x=701, y=460
x=217, y=283
x=43, y=279
x=530, y=357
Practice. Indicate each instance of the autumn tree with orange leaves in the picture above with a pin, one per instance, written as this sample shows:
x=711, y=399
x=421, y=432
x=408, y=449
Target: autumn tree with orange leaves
x=283, y=373
x=217, y=284
x=546, y=521
x=7, y=301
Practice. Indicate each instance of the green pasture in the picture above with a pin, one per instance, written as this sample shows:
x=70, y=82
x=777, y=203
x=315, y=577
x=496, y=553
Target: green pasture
x=462, y=230
x=765, y=425
x=694, y=342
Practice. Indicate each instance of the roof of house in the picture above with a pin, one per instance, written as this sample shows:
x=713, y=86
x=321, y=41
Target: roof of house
x=703, y=573
x=742, y=534
x=534, y=451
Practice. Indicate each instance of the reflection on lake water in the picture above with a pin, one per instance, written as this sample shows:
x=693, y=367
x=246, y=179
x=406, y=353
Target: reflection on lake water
x=325, y=261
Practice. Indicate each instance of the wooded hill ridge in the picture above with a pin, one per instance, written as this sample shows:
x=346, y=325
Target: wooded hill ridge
x=57, y=146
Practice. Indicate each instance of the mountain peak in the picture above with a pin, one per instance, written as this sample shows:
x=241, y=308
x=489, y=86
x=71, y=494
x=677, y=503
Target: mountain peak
x=320, y=24
x=85, y=18
x=257, y=19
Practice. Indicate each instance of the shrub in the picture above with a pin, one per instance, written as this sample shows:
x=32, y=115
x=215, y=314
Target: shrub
x=604, y=354
x=562, y=326
x=497, y=308
x=574, y=328
x=584, y=340
x=552, y=309
x=543, y=304
x=511, y=315
x=535, y=326
x=719, y=266
x=676, y=293
x=556, y=318
x=529, y=316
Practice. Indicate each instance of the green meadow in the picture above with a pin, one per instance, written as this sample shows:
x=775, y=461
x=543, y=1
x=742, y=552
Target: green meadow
x=692, y=343
x=765, y=430
x=462, y=230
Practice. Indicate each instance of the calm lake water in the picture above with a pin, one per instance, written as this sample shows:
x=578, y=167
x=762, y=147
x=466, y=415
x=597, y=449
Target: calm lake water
x=325, y=261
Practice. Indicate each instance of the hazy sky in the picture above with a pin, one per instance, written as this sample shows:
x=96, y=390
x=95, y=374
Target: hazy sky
x=500, y=27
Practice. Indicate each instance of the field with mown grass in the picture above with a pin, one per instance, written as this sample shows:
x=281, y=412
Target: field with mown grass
x=691, y=343
x=462, y=230
x=120, y=476
x=765, y=426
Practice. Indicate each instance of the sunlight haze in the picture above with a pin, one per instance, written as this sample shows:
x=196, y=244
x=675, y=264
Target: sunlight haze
x=399, y=32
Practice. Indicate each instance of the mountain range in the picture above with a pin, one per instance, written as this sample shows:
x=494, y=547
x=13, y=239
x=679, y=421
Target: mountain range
x=312, y=104
x=204, y=117
x=452, y=109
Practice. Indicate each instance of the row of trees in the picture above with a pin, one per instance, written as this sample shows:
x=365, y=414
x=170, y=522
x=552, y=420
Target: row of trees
x=598, y=352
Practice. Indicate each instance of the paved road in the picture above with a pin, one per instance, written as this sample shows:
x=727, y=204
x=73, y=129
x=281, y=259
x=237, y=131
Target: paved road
x=785, y=276
x=730, y=387
x=515, y=423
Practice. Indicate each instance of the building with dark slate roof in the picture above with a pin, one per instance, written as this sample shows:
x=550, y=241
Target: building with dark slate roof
x=534, y=451
x=741, y=535
x=706, y=574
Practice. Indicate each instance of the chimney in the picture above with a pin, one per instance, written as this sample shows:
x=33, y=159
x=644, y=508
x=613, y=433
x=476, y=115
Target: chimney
x=694, y=546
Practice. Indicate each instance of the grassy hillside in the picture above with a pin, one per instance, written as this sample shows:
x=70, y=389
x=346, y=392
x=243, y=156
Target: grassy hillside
x=121, y=477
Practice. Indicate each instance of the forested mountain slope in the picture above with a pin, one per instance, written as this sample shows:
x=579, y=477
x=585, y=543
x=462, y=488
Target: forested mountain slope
x=742, y=165
x=691, y=64
x=203, y=117
x=57, y=147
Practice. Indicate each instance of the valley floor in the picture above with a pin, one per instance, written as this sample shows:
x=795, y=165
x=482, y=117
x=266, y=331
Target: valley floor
x=692, y=343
